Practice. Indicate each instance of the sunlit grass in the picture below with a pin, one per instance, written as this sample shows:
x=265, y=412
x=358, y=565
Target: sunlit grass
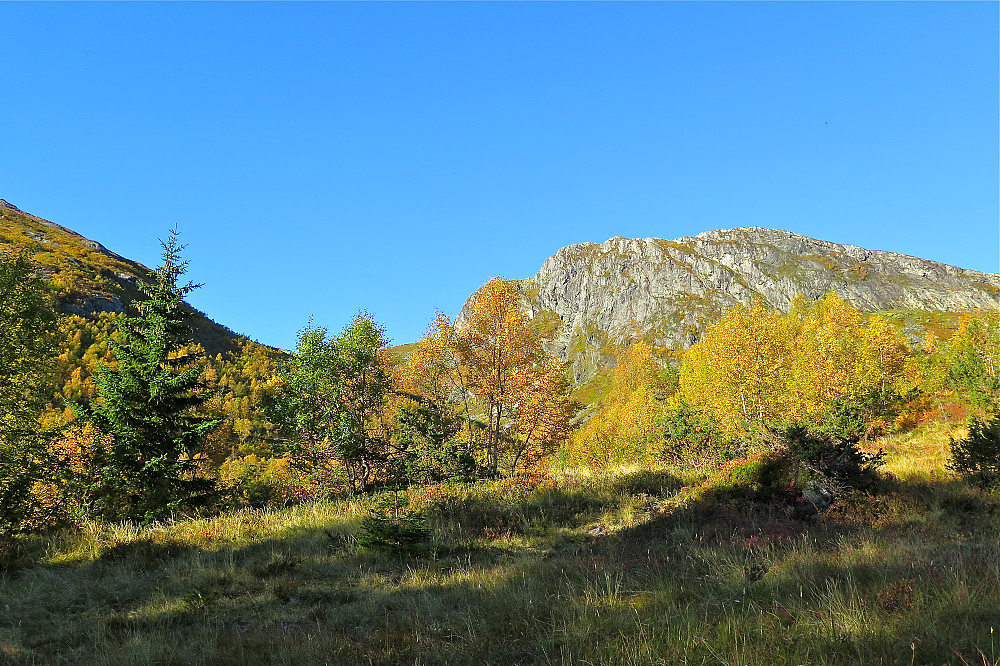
x=583, y=568
x=921, y=454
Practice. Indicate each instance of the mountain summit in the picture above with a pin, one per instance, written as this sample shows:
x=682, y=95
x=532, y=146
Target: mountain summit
x=587, y=295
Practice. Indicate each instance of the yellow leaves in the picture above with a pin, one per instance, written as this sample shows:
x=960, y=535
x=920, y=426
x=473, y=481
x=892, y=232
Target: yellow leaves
x=884, y=358
x=284, y=481
x=623, y=428
x=825, y=351
x=757, y=366
x=740, y=369
x=972, y=359
x=511, y=393
x=520, y=386
x=242, y=383
x=542, y=418
x=433, y=365
x=78, y=447
x=841, y=353
x=637, y=369
x=496, y=341
x=77, y=453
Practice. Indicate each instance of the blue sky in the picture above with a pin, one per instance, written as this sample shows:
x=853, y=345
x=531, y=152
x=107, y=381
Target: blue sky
x=323, y=158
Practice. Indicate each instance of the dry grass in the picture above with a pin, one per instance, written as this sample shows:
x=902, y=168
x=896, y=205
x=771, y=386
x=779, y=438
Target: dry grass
x=582, y=569
x=921, y=454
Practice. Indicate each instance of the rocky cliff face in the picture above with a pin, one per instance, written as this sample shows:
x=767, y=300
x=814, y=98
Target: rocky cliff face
x=589, y=294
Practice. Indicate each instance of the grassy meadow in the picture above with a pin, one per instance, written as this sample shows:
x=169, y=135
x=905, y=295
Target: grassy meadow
x=634, y=566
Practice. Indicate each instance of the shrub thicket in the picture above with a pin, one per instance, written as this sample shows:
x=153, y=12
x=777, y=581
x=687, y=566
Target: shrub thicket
x=833, y=457
x=691, y=438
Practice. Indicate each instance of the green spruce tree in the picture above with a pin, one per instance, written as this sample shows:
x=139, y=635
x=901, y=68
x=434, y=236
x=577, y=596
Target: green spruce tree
x=148, y=403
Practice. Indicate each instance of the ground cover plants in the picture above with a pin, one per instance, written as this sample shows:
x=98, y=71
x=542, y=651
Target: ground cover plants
x=623, y=566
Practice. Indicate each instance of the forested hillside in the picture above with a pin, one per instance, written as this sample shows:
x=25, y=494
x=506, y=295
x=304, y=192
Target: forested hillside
x=810, y=483
x=86, y=278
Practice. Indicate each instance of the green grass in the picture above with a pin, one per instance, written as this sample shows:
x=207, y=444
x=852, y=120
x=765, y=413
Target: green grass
x=921, y=454
x=618, y=567
x=593, y=391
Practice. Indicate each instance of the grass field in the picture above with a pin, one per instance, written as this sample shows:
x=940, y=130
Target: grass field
x=612, y=568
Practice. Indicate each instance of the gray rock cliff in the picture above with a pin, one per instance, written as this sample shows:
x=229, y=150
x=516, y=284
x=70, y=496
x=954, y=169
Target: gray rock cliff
x=594, y=294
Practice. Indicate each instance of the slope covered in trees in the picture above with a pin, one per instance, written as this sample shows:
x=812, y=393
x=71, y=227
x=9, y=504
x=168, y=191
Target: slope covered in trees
x=86, y=278
x=344, y=491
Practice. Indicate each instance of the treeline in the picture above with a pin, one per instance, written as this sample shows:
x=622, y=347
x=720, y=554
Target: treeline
x=124, y=417
x=757, y=374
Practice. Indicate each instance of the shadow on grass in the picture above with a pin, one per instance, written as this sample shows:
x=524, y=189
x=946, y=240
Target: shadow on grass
x=655, y=483
x=153, y=550
x=482, y=516
x=717, y=580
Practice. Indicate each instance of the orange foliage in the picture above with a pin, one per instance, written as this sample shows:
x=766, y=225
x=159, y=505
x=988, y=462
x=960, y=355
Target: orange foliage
x=519, y=385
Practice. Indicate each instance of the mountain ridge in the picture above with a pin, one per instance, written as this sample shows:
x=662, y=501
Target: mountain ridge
x=588, y=295
x=87, y=278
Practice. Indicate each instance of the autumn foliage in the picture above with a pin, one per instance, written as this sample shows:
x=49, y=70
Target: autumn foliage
x=752, y=374
x=623, y=428
x=492, y=372
x=758, y=367
x=481, y=396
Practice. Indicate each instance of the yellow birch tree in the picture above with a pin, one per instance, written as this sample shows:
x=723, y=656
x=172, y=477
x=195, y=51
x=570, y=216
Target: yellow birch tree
x=623, y=427
x=510, y=375
x=740, y=369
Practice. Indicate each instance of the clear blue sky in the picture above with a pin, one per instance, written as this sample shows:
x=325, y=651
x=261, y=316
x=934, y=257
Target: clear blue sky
x=326, y=158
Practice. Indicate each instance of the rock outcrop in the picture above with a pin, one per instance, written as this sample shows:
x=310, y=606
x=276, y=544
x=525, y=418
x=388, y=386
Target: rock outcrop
x=589, y=294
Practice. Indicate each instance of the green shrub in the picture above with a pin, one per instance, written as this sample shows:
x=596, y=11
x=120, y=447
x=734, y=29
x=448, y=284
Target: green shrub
x=260, y=482
x=977, y=456
x=27, y=346
x=692, y=439
x=431, y=454
x=392, y=525
x=764, y=473
x=832, y=454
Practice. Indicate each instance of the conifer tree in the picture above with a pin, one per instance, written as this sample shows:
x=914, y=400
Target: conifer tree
x=147, y=402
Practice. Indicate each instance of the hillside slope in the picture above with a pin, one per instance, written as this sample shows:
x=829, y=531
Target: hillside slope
x=87, y=277
x=588, y=295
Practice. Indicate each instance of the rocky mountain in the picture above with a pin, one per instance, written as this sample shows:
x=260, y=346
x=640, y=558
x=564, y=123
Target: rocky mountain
x=588, y=295
x=87, y=277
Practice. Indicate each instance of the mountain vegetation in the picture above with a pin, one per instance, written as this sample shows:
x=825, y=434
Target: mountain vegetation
x=809, y=481
x=592, y=297
x=87, y=279
x=29, y=342
x=146, y=405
